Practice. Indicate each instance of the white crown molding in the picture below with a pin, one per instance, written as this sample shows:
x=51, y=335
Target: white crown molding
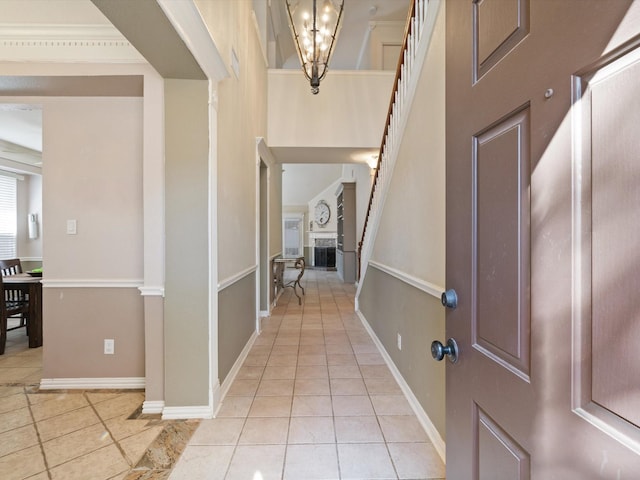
x=65, y=43
x=92, y=383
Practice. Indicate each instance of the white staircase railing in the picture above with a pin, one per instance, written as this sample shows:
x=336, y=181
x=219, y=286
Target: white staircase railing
x=420, y=24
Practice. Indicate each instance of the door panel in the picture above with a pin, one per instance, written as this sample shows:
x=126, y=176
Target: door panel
x=498, y=27
x=500, y=323
x=543, y=216
x=499, y=456
x=609, y=99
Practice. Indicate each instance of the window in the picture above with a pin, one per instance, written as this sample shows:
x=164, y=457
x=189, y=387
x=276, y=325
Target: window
x=8, y=217
x=292, y=237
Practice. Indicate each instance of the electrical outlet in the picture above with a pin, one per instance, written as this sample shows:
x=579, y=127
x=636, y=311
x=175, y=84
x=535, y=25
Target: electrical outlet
x=109, y=346
x=399, y=342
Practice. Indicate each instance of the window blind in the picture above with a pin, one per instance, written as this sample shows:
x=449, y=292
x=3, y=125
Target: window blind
x=8, y=217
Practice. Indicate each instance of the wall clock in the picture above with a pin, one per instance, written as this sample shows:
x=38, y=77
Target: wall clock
x=322, y=213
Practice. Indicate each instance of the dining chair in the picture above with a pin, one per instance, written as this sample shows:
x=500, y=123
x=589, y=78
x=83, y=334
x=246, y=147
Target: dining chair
x=10, y=308
x=12, y=266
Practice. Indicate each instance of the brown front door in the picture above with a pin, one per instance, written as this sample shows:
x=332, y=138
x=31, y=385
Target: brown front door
x=543, y=239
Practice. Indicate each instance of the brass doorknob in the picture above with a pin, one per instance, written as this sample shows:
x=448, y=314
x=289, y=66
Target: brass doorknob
x=439, y=351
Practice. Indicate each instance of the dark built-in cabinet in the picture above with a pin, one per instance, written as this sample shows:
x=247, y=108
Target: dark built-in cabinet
x=346, y=259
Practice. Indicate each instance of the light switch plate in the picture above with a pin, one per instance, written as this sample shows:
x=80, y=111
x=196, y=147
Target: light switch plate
x=72, y=227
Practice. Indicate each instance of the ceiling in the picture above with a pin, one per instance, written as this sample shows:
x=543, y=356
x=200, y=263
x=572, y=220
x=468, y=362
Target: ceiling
x=21, y=125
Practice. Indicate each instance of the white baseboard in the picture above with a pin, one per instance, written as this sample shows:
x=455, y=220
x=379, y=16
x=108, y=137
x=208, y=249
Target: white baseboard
x=423, y=418
x=151, y=407
x=265, y=313
x=91, y=383
x=186, y=412
x=235, y=369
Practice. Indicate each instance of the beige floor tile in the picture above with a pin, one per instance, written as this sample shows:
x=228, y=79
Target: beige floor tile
x=341, y=359
x=312, y=359
x=312, y=386
x=311, y=430
x=103, y=464
x=375, y=371
x=206, y=462
x=123, y=427
x=97, y=397
x=13, y=402
x=339, y=348
x=312, y=371
x=256, y=360
x=261, y=431
x=271, y=407
x=282, y=361
x=7, y=391
x=56, y=404
x=365, y=461
x=124, y=404
x=403, y=428
x=313, y=350
x=310, y=462
x=285, y=350
x=66, y=423
x=20, y=361
x=243, y=388
x=18, y=439
x=369, y=359
x=365, y=348
x=260, y=350
x=279, y=373
x=358, y=430
x=218, y=431
x=416, y=460
x=344, y=371
x=235, y=407
x=15, y=419
x=275, y=388
x=251, y=462
x=348, y=386
x=311, y=406
x=22, y=463
x=89, y=439
x=391, y=405
x=249, y=373
x=16, y=374
x=382, y=386
x=352, y=405
x=265, y=338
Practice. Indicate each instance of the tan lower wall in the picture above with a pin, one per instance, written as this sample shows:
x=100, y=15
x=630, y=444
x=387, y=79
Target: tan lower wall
x=236, y=321
x=75, y=323
x=391, y=306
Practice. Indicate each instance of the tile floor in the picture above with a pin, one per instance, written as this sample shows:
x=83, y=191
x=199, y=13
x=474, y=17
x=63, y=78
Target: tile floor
x=313, y=400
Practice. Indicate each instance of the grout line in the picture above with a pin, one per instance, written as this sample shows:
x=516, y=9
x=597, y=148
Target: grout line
x=35, y=426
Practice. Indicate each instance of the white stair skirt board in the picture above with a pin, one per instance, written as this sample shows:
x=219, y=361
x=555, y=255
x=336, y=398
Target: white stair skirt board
x=151, y=407
x=92, y=383
x=423, y=418
x=183, y=413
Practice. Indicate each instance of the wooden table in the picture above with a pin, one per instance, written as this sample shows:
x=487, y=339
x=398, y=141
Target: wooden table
x=33, y=287
x=278, y=274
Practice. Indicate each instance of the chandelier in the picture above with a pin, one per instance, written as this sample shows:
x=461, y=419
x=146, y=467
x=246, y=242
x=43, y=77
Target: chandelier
x=315, y=29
